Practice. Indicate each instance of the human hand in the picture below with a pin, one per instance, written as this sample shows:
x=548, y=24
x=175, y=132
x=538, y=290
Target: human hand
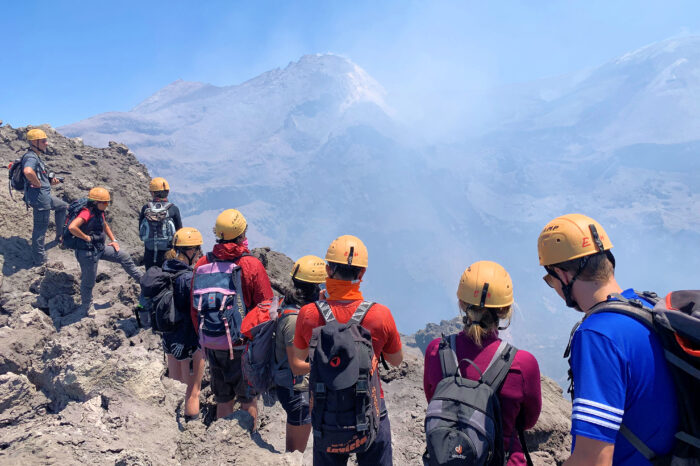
x=115, y=245
x=55, y=181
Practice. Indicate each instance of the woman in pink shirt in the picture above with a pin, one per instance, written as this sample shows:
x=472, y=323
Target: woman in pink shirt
x=485, y=295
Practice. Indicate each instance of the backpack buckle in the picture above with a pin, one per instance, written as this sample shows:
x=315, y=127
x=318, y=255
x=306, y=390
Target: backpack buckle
x=320, y=390
x=362, y=427
x=361, y=386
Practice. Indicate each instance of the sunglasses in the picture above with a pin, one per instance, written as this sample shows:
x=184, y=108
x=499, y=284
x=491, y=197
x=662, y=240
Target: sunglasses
x=549, y=278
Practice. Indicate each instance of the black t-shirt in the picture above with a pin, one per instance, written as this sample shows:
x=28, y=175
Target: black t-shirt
x=173, y=213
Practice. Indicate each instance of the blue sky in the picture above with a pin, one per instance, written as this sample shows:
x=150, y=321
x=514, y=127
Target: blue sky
x=65, y=61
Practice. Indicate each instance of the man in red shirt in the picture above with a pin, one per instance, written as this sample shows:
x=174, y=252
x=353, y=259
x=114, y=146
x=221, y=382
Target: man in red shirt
x=346, y=265
x=227, y=380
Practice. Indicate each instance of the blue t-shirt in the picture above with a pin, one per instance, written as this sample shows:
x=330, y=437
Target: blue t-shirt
x=620, y=374
x=39, y=198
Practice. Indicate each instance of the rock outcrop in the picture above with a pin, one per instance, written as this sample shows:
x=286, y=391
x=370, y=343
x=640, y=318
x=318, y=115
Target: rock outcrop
x=78, y=390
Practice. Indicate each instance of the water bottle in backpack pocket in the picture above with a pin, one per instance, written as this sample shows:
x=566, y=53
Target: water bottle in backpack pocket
x=217, y=297
x=344, y=385
x=157, y=228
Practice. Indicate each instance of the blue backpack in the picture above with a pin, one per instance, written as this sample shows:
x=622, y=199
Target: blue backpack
x=217, y=294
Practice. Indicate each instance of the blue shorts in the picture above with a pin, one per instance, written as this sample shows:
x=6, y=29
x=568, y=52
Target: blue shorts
x=296, y=404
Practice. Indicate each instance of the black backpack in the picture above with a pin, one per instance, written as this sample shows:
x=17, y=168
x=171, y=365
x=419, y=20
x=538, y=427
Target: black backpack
x=68, y=240
x=343, y=383
x=157, y=289
x=463, y=420
x=16, y=175
x=676, y=322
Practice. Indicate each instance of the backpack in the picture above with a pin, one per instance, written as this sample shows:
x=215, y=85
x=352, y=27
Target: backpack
x=157, y=289
x=68, y=240
x=217, y=294
x=281, y=372
x=676, y=322
x=260, y=326
x=16, y=175
x=343, y=383
x=463, y=420
x=157, y=228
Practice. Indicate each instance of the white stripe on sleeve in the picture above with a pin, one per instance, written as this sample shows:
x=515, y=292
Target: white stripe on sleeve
x=595, y=412
x=597, y=421
x=602, y=406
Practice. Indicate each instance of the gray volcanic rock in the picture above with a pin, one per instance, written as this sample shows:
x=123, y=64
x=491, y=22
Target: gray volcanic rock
x=78, y=390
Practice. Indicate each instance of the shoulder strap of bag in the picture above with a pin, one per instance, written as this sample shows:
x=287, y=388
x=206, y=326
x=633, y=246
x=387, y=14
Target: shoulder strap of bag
x=630, y=307
x=519, y=426
x=497, y=370
x=325, y=310
x=360, y=312
x=448, y=356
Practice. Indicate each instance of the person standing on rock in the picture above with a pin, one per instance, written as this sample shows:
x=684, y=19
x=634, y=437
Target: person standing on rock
x=185, y=357
x=221, y=278
x=91, y=228
x=485, y=294
x=346, y=265
x=37, y=194
x=158, y=222
x=308, y=273
x=622, y=391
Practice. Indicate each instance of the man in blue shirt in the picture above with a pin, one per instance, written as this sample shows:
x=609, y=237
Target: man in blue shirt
x=619, y=374
x=37, y=194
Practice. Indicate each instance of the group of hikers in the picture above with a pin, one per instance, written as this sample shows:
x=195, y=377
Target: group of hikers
x=319, y=349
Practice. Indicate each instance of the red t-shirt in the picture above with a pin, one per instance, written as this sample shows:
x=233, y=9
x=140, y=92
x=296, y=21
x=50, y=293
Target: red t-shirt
x=378, y=320
x=254, y=280
x=520, y=391
x=86, y=214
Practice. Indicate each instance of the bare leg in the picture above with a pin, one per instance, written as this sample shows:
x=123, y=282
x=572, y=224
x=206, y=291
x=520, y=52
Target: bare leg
x=194, y=382
x=252, y=409
x=297, y=437
x=174, y=368
x=224, y=409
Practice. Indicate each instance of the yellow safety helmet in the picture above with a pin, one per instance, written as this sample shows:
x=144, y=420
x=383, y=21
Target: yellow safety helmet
x=486, y=284
x=570, y=237
x=309, y=269
x=35, y=134
x=347, y=250
x=187, y=237
x=230, y=224
x=99, y=194
x=158, y=184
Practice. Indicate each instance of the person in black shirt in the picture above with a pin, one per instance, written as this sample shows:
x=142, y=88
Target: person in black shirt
x=158, y=222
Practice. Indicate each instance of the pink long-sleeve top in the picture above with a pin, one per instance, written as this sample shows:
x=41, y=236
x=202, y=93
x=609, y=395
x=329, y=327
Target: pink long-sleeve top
x=520, y=392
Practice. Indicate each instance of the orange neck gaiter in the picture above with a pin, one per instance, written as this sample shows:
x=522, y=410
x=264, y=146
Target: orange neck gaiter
x=343, y=290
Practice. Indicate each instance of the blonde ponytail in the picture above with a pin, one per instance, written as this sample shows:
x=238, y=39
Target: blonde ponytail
x=479, y=322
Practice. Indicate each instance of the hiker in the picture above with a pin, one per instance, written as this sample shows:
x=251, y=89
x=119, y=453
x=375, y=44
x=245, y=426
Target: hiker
x=37, y=194
x=336, y=334
x=158, y=222
x=620, y=380
x=485, y=294
x=308, y=273
x=217, y=310
x=90, y=228
x=185, y=358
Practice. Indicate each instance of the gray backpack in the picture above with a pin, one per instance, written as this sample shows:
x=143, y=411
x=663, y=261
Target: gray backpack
x=157, y=228
x=463, y=421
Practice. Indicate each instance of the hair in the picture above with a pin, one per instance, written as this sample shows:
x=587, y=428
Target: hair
x=480, y=321
x=161, y=194
x=171, y=254
x=599, y=268
x=344, y=271
x=302, y=293
x=178, y=252
x=236, y=240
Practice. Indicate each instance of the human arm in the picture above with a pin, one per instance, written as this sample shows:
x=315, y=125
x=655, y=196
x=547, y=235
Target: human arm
x=392, y=350
x=432, y=371
x=110, y=235
x=297, y=360
x=75, y=230
x=177, y=219
x=256, y=283
x=394, y=358
x=590, y=452
x=30, y=174
x=532, y=390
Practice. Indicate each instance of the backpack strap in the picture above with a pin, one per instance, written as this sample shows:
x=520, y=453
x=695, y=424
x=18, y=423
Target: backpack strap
x=520, y=427
x=630, y=307
x=498, y=368
x=326, y=312
x=360, y=312
x=448, y=356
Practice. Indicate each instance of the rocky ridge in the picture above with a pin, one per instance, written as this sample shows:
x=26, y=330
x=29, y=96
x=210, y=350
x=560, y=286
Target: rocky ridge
x=93, y=390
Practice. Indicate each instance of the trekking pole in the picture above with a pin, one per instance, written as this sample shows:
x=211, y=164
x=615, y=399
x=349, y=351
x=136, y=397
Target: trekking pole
x=138, y=316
